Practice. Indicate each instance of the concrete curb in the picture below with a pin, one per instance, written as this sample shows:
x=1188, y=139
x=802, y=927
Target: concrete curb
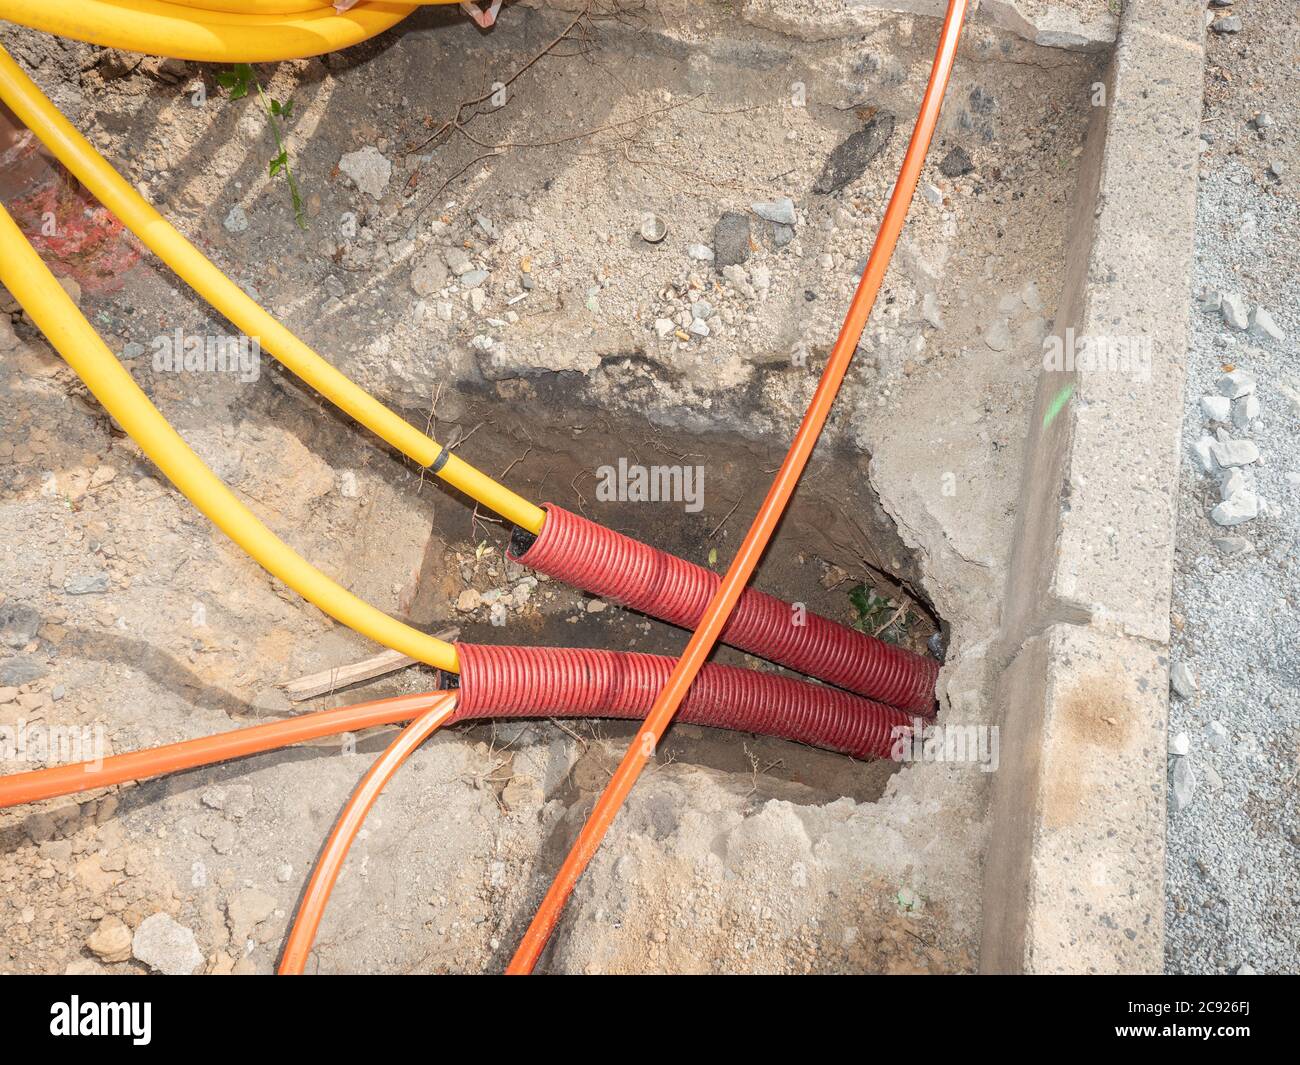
x=1074, y=874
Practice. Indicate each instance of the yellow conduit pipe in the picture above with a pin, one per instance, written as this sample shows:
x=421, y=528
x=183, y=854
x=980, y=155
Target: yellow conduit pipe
x=210, y=36
x=292, y=7
x=36, y=112
x=30, y=282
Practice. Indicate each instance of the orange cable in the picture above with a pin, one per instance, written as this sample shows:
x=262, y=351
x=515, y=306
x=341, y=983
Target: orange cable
x=49, y=783
x=751, y=550
x=323, y=877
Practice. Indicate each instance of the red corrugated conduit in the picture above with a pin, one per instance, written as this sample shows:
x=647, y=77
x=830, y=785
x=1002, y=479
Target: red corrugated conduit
x=568, y=682
x=626, y=571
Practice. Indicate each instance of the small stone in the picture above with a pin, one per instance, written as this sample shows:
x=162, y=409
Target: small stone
x=1183, y=680
x=1263, y=120
x=1245, y=969
x=780, y=211
x=1209, y=299
x=956, y=163
x=236, y=220
x=458, y=261
x=473, y=278
x=1236, y=384
x=429, y=274
x=935, y=646
x=664, y=328
x=1216, y=408
x=86, y=584
x=997, y=335
x=930, y=312
x=1240, y=507
x=699, y=327
x=1277, y=169
x=700, y=252
x=369, y=170
x=1235, y=452
x=1179, y=744
x=284, y=873
x=1184, y=784
x=781, y=235
x=595, y=606
x=1233, y=545
x=468, y=601
x=20, y=670
x=1227, y=24
x=1233, y=481
x=702, y=309
x=1203, y=449
x=1218, y=734
x=1262, y=325
x=111, y=940
x=1245, y=410
x=166, y=946
x=1234, y=311
x=851, y=157
x=19, y=624
x=731, y=235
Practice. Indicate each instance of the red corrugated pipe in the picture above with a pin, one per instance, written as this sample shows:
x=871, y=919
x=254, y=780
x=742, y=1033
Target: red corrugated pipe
x=569, y=682
x=626, y=571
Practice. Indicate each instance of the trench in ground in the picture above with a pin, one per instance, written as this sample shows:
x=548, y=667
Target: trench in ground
x=913, y=489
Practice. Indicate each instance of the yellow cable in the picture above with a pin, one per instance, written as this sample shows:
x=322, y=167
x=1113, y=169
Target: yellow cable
x=157, y=27
x=289, y=7
x=30, y=282
x=34, y=109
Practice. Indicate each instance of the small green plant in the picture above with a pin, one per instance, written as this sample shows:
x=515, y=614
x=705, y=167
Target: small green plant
x=878, y=616
x=238, y=80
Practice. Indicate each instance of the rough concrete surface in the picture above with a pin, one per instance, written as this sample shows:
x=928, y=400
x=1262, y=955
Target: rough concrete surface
x=1095, y=542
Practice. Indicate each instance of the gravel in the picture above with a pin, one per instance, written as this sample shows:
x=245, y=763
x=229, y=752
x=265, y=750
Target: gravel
x=1233, y=832
x=731, y=239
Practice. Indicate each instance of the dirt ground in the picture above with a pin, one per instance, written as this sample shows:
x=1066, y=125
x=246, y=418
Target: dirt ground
x=735, y=852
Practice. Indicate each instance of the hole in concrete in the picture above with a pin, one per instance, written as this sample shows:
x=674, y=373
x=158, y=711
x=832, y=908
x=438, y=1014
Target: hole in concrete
x=836, y=547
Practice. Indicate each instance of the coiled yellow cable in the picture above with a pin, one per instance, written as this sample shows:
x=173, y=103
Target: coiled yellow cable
x=208, y=34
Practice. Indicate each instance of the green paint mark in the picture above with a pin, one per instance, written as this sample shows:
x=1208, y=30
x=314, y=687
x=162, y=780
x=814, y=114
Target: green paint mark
x=1058, y=404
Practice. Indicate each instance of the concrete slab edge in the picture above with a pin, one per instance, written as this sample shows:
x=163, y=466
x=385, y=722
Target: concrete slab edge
x=1074, y=874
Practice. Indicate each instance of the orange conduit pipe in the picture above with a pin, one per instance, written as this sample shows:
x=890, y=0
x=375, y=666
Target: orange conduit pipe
x=760, y=532
x=56, y=781
x=323, y=877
